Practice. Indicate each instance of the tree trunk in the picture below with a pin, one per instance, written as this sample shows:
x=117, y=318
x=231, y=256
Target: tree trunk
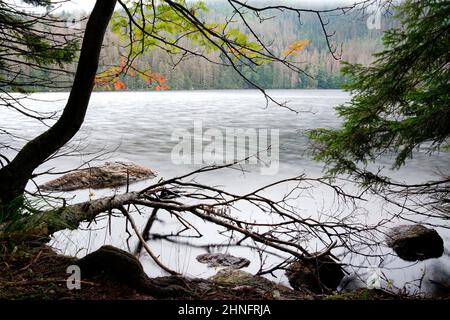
x=15, y=176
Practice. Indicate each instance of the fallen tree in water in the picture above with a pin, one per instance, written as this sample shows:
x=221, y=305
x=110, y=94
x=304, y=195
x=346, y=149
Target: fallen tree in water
x=282, y=229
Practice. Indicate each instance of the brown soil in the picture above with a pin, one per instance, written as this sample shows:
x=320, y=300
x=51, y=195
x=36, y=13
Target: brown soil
x=28, y=272
x=36, y=272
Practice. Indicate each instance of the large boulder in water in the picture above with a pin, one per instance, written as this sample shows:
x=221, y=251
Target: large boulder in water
x=223, y=260
x=415, y=242
x=315, y=274
x=111, y=174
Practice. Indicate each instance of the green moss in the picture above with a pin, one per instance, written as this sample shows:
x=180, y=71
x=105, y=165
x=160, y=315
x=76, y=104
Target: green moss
x=362, y=294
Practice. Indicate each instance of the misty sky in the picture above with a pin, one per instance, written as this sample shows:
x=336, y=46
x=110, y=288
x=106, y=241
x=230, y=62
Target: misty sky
x=86, y=5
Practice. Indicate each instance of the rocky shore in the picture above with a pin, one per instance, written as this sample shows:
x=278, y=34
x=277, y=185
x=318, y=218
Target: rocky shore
x=39, y=273
x=33, y=269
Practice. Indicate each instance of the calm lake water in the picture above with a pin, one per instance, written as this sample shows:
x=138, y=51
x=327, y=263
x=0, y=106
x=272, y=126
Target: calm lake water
x=138, y=127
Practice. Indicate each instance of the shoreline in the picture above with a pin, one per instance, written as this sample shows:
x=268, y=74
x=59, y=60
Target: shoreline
x=31, y=272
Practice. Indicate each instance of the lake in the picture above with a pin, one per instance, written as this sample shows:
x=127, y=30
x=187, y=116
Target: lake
x=145, y=127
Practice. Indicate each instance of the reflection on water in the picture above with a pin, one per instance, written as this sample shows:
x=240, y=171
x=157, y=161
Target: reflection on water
x=138, y=127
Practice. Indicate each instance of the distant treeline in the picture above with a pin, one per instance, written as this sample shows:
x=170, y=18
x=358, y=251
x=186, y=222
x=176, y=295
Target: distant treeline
x=351, y=35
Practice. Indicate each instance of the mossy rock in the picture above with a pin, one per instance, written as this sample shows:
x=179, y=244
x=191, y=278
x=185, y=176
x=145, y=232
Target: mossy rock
x=233, y=277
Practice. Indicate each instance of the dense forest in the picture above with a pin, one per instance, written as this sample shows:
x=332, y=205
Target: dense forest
x=354, y=41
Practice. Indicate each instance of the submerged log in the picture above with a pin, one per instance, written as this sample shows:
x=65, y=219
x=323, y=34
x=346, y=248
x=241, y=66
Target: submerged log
x=109, y=175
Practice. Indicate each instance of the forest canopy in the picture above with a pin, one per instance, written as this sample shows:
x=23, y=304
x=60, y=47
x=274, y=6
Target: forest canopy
x=350, y=34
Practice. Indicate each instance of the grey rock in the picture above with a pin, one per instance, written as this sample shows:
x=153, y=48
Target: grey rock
x=241, y=282
x=239, y=279
x=111, y=174
x=415, y=242
x=223, y=260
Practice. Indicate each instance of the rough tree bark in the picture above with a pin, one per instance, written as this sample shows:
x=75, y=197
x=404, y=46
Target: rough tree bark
x=14, y=176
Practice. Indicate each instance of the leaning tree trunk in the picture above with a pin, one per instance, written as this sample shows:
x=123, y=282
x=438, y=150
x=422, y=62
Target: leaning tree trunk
x=14, y=176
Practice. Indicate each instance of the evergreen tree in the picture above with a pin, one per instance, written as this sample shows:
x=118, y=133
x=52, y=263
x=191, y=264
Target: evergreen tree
x=402, y=99
x=400, y=102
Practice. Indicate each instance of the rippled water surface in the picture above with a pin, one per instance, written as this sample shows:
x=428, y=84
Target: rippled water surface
x=138, y=127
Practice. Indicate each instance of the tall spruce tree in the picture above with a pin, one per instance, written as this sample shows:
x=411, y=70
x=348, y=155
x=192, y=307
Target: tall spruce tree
x=399, y=102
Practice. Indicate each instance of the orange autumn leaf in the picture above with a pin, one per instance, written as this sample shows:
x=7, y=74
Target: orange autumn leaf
x=158, y=79
x=154, y=76
x=109, y=78
x=119, y=85
x=295, y=47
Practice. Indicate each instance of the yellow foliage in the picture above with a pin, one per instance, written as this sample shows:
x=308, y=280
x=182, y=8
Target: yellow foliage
x=295, y=48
